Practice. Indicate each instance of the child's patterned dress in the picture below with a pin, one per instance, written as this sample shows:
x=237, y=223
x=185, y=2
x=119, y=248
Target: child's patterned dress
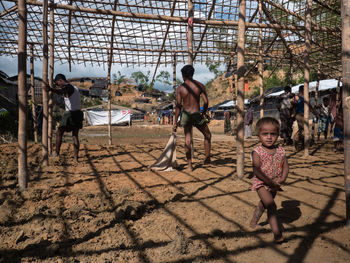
x=271, y=166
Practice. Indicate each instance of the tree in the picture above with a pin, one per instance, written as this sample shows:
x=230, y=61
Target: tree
x=140, y=78
x=164, y=77
x=118, y=79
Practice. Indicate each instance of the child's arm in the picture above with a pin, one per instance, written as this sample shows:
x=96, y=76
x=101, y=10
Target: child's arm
x=258, y=173
x=285, y=171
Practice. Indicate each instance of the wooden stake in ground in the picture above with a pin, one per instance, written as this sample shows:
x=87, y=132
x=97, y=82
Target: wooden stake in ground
x=22, y=94
x=44, y=135
x=240, y=97
x=345, y=11
x=51, y=73
x=307, y=77
x=261, y=65
x=32, y=91
x=190, y=31
x=174, y=86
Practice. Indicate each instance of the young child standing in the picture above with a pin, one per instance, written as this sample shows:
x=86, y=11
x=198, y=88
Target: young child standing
x=270, y=167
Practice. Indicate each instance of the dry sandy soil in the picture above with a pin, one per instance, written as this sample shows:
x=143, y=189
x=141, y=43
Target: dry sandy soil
x=111, y=208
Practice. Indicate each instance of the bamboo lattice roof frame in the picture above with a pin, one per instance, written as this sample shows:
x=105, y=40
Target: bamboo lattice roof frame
x=149, y=32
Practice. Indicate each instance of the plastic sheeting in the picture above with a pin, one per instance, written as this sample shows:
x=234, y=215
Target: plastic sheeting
x=101, y=117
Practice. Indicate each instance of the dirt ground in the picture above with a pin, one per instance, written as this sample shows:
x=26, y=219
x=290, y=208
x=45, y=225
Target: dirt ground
x=110, y=208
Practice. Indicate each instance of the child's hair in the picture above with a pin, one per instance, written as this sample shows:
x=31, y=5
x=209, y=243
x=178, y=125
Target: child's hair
x=325, y=99
x=266, y=120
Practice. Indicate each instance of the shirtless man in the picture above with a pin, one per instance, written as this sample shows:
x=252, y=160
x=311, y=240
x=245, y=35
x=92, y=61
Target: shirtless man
x=188, y=98
x=72, y=119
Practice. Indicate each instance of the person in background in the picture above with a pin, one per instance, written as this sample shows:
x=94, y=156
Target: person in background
x=248, y=121
x=285, y=109
x=72, y=119
x=227, y=122
x=338, y=130
x=188, y=96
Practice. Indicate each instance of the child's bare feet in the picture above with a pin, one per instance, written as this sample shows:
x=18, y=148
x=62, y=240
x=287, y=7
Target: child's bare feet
x=256, y=217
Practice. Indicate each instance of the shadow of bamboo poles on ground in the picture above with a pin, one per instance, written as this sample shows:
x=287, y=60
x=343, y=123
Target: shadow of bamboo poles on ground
x=45, y=248
x=183, y=195
x=314, y=230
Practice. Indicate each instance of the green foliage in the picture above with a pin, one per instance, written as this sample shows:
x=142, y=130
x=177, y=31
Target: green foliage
x=140, y=78
x=118, y=78
x=273, y=81
x=171, y=96
x=164, y=77
x=214, y=68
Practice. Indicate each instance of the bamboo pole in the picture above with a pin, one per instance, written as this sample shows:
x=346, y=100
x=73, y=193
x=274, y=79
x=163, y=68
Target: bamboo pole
x=190, y=31
x=109, y=54
x=345, y=11
x=110, y=61
x=69, y=37
x=22, y=95
x=180, y=19
x=163, y=44
x=240, y=97
x=44, y=136
x=307, y=77
x=174, y=86
x=313, y=129
x=32, y=91
x=261, y=65
x=51, y=73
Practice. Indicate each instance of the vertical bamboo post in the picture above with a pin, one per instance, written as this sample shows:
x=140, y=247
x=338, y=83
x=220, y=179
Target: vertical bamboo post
x=235, y=108
x=174, y=86
x=261, y=65
x=109, y=97
x=316, y=104
x=345, y=12
x=190, y=31
x=44, y=136
x=32, y=91
x=22, y=94
x=291, y=71
x=240, y=97
x=233, y=86
x=307, y=76
x=110, y=61
x=51, y=73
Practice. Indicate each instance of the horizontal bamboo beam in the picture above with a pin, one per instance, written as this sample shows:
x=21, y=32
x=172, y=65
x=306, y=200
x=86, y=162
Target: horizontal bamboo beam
x=173, y=19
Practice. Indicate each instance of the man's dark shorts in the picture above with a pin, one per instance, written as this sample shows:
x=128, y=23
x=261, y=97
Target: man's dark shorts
x=195, y=119
x=72, y=119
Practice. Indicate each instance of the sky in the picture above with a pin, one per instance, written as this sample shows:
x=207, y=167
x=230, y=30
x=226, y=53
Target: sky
x=9, y=65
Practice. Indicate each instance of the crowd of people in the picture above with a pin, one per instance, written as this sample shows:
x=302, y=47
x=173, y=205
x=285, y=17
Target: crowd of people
x=328, y=116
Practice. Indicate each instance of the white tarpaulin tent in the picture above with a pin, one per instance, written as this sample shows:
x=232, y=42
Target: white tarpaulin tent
x=101, y=117
x=323, y=85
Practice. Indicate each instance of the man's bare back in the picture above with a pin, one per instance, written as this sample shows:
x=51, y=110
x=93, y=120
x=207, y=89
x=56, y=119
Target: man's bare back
x=190, y=92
